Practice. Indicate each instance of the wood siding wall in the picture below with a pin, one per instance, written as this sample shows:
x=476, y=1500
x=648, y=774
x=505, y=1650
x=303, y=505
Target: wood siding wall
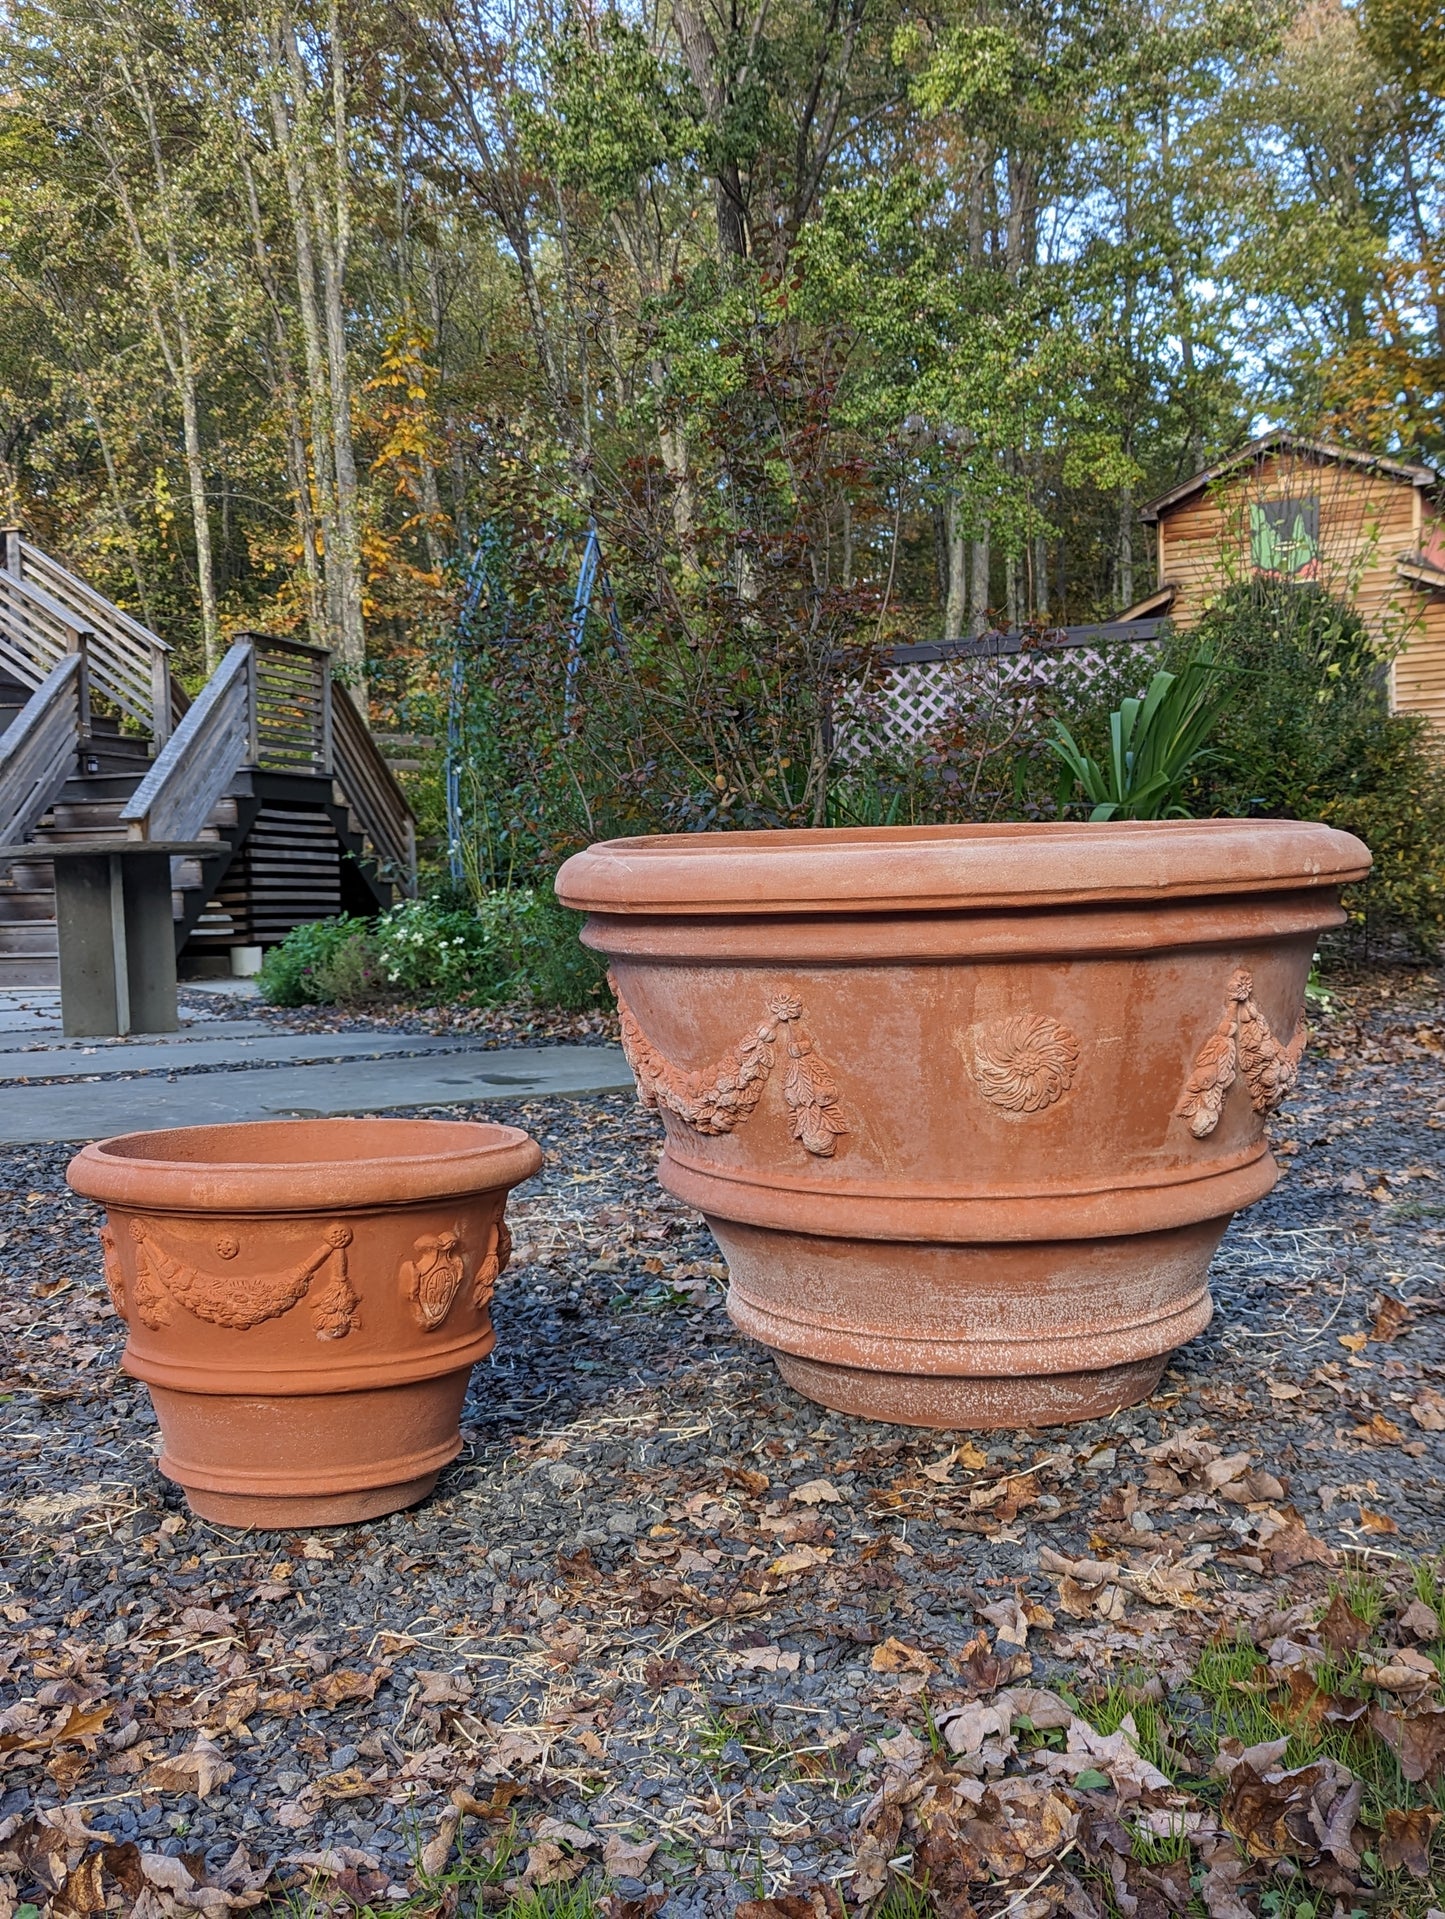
x=1368, y=522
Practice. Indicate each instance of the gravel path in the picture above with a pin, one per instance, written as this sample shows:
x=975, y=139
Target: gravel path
x=658, y=1591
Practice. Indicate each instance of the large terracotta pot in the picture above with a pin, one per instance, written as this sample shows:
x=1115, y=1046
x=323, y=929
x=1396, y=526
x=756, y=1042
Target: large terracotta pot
x=967, y=1108
x=305, y=1301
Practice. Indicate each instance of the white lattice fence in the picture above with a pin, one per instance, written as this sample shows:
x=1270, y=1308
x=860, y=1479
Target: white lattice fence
x=916, y=700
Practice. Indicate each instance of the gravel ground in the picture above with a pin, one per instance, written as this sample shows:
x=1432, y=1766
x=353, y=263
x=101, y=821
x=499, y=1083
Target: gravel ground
x=519, y=1025
x=658, y=1591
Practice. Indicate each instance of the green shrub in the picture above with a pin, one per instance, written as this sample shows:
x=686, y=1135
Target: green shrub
x=351, y=974
x=295, y=973
x=1312, y=737
x=515, y=944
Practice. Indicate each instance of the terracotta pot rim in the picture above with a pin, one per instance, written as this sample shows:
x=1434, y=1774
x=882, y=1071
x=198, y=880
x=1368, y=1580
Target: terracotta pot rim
x=845, y=870
x=289, y=1166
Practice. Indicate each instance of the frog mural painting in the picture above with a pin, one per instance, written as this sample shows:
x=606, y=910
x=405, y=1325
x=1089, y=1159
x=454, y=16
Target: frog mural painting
x=967, y=1108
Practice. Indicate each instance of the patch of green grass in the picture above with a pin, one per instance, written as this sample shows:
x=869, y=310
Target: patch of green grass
x=1429, y=1583
x=906, y=1899
x=1158, y=1849
x=1108, y=1710
x=1364, y=1592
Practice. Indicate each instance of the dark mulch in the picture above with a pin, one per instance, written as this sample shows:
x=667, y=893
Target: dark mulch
x=658, y=1589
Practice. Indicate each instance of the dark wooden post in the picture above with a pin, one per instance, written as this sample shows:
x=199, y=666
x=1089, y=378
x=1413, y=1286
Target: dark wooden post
x=117, y=942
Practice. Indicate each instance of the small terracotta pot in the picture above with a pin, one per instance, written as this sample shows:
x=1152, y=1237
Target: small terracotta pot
x=306, y=1300
x=967, y=1108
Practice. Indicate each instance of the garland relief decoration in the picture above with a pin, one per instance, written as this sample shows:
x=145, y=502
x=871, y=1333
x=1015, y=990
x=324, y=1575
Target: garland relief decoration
x=110, y=1267
x=162, y=1282
x=499, y=1255
x=718, y=1098
x=1241, y=1043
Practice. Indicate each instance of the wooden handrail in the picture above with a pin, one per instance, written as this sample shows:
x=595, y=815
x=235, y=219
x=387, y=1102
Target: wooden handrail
x=200, y=759
x=29, y=645
x=369, y=787
x=38, y=748
x=129, y=663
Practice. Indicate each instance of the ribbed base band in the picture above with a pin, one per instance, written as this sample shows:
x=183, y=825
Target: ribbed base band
x=282, y=1514
x=963, y=1404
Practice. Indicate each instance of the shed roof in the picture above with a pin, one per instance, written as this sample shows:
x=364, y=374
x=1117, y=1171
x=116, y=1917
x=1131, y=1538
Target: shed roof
x=1280, y=441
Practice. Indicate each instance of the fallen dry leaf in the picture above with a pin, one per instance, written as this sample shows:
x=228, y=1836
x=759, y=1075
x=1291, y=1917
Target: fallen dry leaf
x=1340, y=1629
x=1417, y=1741
x=443, y=1688
x=816, y=1492
x=335, y=1688
x=1428, y=1410
x=624, y=1859
x=799, y=1559
x=1304, y=1813
x=767, y=1659
x=894, y=1656
x=1405, y=1840
x=1391, y=1317
x=78, y=1724
x=1379, y=1431
x=1420, y=1621
x=438, y=1849
x=200, y=1770
x=1372, y=1522
x=548, y=1865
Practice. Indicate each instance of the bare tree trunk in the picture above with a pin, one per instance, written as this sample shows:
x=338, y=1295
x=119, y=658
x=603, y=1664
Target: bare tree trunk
x=1126, y=548
x=1041, y=577
x=699, y=51
x=955, y=606
x=176, y=350
x=283, y=383
x=196, y=481
x=672, y=444
x=1012, y=610
x=316, y=387
x=979, y=584
x=335, y=237
x=132, y=550
x=328, y=231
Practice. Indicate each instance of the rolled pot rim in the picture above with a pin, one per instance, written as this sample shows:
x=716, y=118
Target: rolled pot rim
x=241, y=1166
x=1019, y=864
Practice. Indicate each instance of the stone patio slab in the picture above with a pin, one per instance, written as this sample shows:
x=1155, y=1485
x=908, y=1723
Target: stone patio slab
x=95, y=1109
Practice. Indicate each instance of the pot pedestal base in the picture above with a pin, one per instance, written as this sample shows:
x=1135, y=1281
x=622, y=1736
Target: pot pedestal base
x=304, y=1459
x=277, y=1513
x=976, y=1404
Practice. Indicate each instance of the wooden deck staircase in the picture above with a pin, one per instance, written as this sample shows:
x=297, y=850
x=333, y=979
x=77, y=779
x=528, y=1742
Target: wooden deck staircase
x=272, y=762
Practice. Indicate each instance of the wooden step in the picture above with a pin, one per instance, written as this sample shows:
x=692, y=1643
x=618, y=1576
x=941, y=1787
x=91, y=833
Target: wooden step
x=109, y=762
x=33, y=971
x=38, y=903
x=85, y=814
x=24, y=938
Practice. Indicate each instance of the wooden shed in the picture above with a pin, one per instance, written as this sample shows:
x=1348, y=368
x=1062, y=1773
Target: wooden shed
x=1368, y=529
